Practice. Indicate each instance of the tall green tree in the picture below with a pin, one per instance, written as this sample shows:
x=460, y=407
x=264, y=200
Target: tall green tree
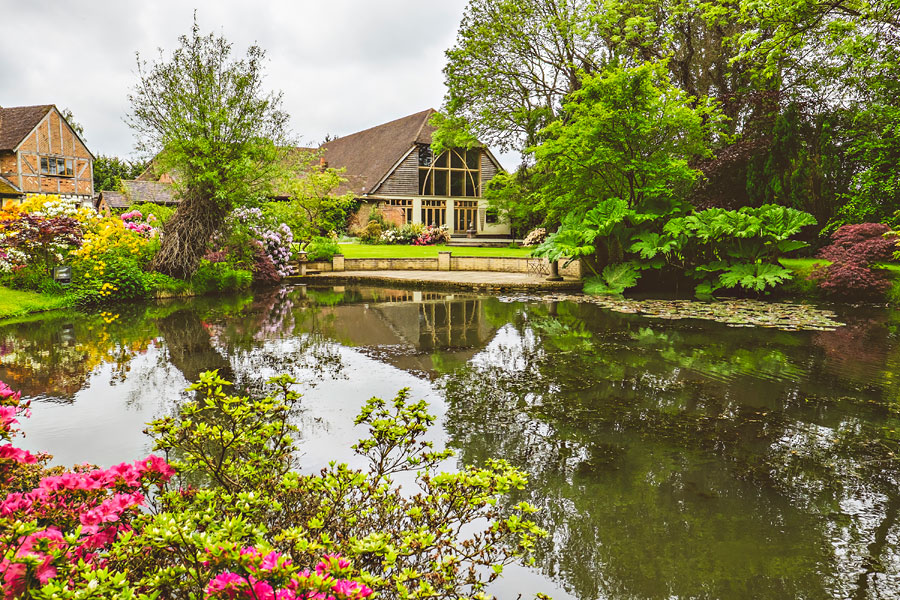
x=109, y=171
x=630, y=135
x=513, y=63
x=207, y=117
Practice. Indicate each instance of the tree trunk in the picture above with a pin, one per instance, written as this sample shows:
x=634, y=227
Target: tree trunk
x=186, y=235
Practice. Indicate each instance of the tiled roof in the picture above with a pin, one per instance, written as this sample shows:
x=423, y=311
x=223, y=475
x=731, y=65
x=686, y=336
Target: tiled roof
x=138, y=192
x=369, y=155
x=114, y=199
x=17, y=122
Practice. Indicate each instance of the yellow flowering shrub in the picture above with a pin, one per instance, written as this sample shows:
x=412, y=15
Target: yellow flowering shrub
x=111, y=262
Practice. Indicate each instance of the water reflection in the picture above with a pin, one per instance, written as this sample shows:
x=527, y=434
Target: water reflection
x=670, y=459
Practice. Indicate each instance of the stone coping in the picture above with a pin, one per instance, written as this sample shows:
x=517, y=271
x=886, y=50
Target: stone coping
x=479, y=281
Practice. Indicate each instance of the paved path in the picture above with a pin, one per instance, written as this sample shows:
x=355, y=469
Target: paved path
x=473, y=280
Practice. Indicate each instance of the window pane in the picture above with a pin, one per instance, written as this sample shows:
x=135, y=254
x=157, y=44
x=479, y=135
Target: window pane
x=440, y=182
x=470, y=186
x=425, y=156
x=457, y=183
x=473, y=159
x=45, y=167
x=69, y=167
x=424, y=182
x=441, y=161
x=456, y=160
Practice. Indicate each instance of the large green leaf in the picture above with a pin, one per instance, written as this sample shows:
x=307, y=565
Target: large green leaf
x=614, y=279
x=602, y=219
x=781, y=222
x=754, y=276
x=648, y=244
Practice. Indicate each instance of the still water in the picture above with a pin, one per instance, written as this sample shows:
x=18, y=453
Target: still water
x=669, y=459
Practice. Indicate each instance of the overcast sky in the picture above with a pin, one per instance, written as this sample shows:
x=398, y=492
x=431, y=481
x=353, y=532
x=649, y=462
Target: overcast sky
x=343, y=65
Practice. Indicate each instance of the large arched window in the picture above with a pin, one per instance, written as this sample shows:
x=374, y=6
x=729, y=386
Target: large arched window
x=454, y=172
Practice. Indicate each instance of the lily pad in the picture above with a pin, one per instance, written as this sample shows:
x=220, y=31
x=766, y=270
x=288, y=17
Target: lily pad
x=733, y=312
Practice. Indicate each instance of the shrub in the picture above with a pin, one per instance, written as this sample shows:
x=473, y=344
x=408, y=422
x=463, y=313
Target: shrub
x=371, y=233
x=156, y=214
x=860, y=244
x=219, y=277
x=232, y=519
x=535, y=237
x=164, y=286
x=853, y=250
x=322, y=248
x=264, y=270
x=112, y=278
x=432, y=235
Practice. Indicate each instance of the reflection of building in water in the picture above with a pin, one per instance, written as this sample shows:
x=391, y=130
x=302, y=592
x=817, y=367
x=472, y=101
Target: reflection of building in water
x=414, y=330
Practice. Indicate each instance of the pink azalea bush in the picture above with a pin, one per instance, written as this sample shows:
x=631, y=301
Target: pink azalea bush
x=73, y=519
x=255, y=528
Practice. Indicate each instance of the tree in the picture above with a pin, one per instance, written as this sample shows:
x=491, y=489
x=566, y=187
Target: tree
x=208, y=119
x=513, y=64
x=70, y=119
x=109, y=171
x=314, y=208
x=630, y=135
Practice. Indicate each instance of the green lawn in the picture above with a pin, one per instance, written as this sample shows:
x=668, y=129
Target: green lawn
x=14, y=303
x=397, y=251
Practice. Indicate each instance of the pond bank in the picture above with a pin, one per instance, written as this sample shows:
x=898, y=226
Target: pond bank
x=482, y=281
x=16, y=303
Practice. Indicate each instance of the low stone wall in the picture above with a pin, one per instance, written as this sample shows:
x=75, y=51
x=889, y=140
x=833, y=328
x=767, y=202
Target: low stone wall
x=446, y=262
x=512, y=265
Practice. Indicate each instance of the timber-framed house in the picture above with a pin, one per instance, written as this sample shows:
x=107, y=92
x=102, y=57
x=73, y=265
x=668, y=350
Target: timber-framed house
x=40, y=153
x=392, y=167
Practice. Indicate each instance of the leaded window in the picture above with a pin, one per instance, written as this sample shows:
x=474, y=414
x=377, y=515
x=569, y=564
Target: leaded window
x=455, y=172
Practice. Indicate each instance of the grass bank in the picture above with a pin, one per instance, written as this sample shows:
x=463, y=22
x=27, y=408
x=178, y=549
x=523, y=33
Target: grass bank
x=801, y=285
x=400, y=251
x=15, y=303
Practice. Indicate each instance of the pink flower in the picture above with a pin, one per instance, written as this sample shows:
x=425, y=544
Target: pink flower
x=18, y=455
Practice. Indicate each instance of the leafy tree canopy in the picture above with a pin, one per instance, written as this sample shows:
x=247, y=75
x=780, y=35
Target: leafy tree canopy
x=208, y=118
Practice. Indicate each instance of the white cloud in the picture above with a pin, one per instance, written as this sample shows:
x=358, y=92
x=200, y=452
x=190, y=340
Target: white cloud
x=343, y=65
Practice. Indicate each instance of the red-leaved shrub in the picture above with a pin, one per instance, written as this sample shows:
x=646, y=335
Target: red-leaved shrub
x=264, y=270
x=860, y=244
x=853, y=250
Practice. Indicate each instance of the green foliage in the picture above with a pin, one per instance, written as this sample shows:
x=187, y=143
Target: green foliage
x=160, y=212
x=753, y=276
x=803, y=166
x=109, y=171
x=513, y=63
x=322, y=248
x=514, y=197
x=629, y=135
x=614, y=279
x=219, y=277
x=206, y=117
x=314, y=208
x=114, y=276
x=237, y=486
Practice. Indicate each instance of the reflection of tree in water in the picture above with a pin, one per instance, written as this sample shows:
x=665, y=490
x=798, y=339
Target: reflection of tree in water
x=54, y=355
x=279, y=332
x=677, y=460
x=190, y=346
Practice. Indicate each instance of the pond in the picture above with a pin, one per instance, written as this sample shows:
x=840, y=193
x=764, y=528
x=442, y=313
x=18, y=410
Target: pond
x=669, y=458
